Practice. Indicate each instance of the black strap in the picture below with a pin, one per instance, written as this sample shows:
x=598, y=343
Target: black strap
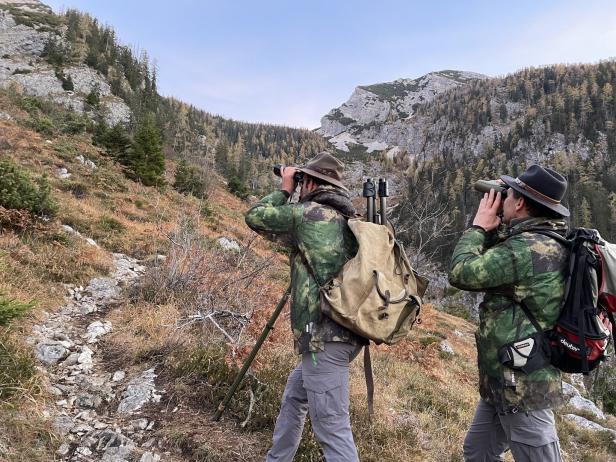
x=610, y=316
x=531, y=317
x=369, y=381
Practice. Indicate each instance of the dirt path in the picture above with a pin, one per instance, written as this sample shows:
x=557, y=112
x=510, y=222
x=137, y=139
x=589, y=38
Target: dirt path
x=97, y=412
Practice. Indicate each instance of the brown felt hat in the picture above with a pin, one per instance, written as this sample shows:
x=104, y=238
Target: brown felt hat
x=325, y=167
x=543, y=185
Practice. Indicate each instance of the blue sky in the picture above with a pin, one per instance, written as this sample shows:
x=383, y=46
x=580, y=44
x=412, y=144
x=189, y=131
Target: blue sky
x=291, y=61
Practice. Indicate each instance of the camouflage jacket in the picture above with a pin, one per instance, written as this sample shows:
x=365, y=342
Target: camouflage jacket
x=513, y=268
x=318, y=235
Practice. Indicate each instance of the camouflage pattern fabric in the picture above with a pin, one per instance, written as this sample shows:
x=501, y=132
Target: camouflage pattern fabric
x=511, y=268
x=317, y=227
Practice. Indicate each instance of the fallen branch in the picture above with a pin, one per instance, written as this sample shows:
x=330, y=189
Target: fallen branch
x=250, y=406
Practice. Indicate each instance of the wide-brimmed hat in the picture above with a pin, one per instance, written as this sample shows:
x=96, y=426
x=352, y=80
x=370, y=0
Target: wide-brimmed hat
x=325, y=167
x=542, y=185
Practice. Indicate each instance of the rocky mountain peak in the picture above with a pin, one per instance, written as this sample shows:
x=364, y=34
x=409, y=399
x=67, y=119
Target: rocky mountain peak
x=384, y=105
x=27, y=5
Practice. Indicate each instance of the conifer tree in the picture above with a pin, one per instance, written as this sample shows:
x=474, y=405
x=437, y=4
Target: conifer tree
x=146, y=157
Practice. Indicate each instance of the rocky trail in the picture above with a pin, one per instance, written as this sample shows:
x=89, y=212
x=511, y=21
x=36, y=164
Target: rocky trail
x=96, y=410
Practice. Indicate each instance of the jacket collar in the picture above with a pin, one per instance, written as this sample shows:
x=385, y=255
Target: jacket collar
x=519, y=225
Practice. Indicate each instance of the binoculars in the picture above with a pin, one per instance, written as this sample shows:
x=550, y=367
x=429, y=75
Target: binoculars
x=277, y=168
x=484, y=186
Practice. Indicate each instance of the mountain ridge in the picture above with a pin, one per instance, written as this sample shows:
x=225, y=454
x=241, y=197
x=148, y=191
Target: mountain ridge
x=385, y=104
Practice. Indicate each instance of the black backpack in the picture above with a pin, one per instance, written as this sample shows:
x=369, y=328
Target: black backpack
x=578, y=341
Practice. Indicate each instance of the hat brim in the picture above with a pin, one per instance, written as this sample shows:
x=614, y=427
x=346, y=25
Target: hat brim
x=558, y=208
x=329, y=179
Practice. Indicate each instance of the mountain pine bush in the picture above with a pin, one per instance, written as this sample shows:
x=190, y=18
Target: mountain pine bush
x=18, y=191
x=190, y=180
x=11, y=309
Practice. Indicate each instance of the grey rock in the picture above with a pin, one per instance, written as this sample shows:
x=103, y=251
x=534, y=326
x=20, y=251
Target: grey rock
x=140, y=424
x=446, y=348
x=63, y=450
x=63, y=174
x=111, y=439
x=81, y=428
x=91, y=241
x=54, y=390
x=578, y=381
x=88, y=401
x=583, y=404
x=83, y=451
x=569, y=391
x=118, y=376
x=228, y=244
x=87, y=307
x=100, y=425
x=51, y=352
x=589, y=425
x=87, y=162
x=149, y=457
x=127, y=268
x=139, y=391
x=103, y=290
x=63, y=424
x=118, y=454
x=5, y=116
x=71, y=360
x=85, y=358
x=96, y=330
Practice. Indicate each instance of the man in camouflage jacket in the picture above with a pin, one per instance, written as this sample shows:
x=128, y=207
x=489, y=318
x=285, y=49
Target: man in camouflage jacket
x=514, y=266
x=321, y=242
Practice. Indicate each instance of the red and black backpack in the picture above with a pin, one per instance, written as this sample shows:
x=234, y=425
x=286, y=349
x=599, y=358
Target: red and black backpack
x=579, y=339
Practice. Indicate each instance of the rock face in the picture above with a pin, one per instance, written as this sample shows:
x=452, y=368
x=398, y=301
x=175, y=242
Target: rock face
x=21, y=65
x=377, y=116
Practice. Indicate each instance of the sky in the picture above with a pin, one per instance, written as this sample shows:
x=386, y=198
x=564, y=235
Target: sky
x=290, y=62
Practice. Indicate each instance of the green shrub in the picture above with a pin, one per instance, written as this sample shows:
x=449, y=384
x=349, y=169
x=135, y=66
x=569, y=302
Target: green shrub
x=238, y=187
x=16, y=367
x=94, y=98
x=76, y=188
x=74, y=124
x=11, y=309
x=17, y=191
x=42, y=124
x=110, y=224
x=190, y=180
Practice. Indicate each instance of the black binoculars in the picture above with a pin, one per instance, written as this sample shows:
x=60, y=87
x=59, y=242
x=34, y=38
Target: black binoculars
x=299, y=176
x=484, y=186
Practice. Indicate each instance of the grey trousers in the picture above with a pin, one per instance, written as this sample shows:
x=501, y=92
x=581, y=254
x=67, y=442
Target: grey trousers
x=319, y=385
x=531, y=436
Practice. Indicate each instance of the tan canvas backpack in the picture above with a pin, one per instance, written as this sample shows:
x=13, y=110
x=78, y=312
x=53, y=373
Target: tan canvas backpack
x=376, y=294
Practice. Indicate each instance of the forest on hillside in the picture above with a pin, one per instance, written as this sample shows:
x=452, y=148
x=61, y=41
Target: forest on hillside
x=241, y=152
x=566, y=112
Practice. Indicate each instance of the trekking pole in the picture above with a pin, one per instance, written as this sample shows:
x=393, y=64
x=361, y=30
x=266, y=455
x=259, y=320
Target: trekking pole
x=383, y=195
x=370, y=193
x=240, y=375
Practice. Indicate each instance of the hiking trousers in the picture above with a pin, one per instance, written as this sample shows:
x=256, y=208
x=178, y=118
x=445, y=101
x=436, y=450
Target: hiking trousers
x=319, y=385
x=531, y=436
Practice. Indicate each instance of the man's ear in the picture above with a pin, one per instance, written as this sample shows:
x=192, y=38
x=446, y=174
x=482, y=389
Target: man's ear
x=520, y=203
